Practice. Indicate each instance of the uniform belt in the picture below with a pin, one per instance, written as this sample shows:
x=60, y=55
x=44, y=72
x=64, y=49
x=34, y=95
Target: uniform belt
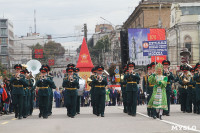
x=124, y=85
x=198, y=83
x=132, y=82
x=24, y=88
x=99, y=86
x=17, y=85
x=70, y=88
x=151, y=85
x=168, y=83
x=190, y=85
x=193, y=87
x=43, y=87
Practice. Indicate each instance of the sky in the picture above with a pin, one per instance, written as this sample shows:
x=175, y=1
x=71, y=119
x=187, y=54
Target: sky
x=64, y=18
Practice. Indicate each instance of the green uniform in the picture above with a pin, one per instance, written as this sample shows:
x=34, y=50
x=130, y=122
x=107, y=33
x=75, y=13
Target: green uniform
x=51, y=95
x=92, y=95
x=124, y=93
x=183, y=94
x=44, y=93
x=170, y=77
x=148, y=88
x=131, y=89
x=32, y=95
x=99, y=95
x=78, y=101
x=70, y=95
x=25, y=101
x=189, y=96
x=18, y=93
x=197, y=87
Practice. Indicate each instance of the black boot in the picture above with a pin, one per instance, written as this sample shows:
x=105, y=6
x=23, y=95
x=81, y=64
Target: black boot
x=160, y=117
x=40, y=115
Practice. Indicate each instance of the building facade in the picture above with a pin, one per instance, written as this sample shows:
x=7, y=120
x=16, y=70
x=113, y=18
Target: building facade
x=22, y=51
x=6, y=42
x=184, y=32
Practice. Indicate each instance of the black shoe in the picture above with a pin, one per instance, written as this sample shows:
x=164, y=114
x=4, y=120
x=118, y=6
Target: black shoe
x=24, y=116
x=160, y=117
x=129, y=113
x=16, y=115
x=78, y=113
x=167, y=114
x=69, y=115
x=125, y=111
x=98, y=114
x=102, y=115
x=154, y=117
x=20, y=117
x=45, y=117
x=133, y=115
x=49, y=114
x=40, y=115
x=72, y=116
x=157, y=115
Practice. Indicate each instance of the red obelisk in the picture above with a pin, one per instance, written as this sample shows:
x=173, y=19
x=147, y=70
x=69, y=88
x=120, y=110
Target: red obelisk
x=84, y=62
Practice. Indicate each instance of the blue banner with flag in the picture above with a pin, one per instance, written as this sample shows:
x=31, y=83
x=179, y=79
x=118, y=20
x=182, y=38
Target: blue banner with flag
x=154, y=48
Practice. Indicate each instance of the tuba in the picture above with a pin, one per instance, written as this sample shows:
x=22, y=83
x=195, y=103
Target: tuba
x=33, y=66
x=89, y=81
x=186, y=80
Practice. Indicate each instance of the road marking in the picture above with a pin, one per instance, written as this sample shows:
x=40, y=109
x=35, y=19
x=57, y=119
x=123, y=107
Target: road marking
x=4, y=123
x=14, y=119
x=165, y=121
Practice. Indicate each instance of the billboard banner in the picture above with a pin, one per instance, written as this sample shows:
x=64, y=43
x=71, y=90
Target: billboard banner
x=136, y=37
x=154, y=48
x=159, y=59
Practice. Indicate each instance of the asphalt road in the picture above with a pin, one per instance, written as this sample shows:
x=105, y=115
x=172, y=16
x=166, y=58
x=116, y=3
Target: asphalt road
x=114, y=122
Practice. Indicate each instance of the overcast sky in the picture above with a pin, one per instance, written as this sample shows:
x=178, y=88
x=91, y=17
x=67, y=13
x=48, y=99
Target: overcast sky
x=64, y=17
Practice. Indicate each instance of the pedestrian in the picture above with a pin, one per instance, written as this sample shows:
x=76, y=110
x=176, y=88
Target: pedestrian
x=44, y=84
x=113, y=96
x=107, y=96
x=158, y=99
x=132, y=80
x=57, y=97
x=70, y=84
x=100, y=82
x=18, y=84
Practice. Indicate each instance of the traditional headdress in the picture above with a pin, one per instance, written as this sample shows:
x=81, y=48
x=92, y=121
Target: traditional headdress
x=159, y=65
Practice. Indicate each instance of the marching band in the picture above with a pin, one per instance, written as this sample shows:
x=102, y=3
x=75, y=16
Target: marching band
x=157, y=88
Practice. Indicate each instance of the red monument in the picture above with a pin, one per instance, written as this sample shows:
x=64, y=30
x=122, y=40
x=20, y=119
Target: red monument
x=84, y=62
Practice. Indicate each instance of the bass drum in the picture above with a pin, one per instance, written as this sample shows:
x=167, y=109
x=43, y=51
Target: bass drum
x=81, y=87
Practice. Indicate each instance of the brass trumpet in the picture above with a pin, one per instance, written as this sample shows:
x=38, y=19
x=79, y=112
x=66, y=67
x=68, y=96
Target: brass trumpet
x=17, y=76
x=70, y=78
x=99, y=78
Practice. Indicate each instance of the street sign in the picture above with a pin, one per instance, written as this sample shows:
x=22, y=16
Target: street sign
x=117, y=71
x=154, y=48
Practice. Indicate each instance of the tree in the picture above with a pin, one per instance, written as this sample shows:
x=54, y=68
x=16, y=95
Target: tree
x=102, y=45
x=51, y=50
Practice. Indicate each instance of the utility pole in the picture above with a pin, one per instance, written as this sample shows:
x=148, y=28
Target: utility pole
x=160, y=21
x=85, y=31
x=35, y=20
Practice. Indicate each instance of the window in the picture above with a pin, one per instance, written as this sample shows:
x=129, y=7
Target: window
x=3, y=23
x=3, y=32
x=188, y=43
x=3, y=60
x=190, y=10
x=4, y=50
x=3, y=40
